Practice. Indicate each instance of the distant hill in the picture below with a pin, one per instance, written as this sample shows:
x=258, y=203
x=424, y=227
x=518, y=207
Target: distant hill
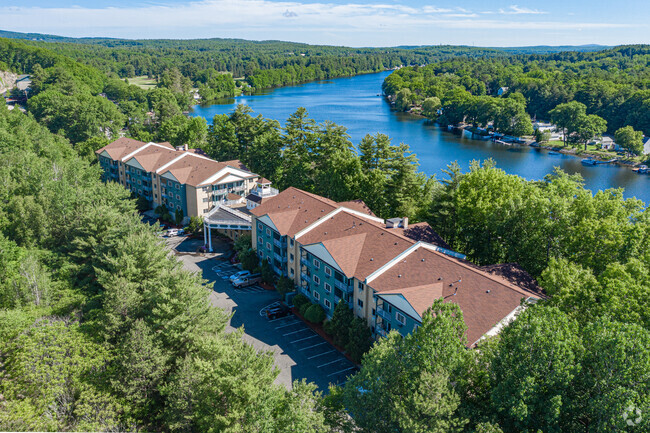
x=105, y=41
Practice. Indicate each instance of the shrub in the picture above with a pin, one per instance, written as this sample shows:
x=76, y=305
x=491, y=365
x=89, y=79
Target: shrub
x=268, y=276
x=340, y=324
x=284, y=286
x=315, y=314
x=248, y=260
x=299, y=300
x=195, y=225
x=243, y=243
x=303, y=308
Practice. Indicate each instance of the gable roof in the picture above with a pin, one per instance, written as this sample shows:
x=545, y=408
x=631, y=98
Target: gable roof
x=420, y=298
x=121, y=147
x=485, y=299
x=294, y=209
x=376, y=247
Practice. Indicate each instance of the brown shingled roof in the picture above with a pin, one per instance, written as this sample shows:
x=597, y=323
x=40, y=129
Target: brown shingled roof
x=294, y=209
x=378, y=246
x=233, y=196
x=154, y=157
x=193, y=170
x=121, y=147
x=421, y=297
x=484, y=299
x=357, y=205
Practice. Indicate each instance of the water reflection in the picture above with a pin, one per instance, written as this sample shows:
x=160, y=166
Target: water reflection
x=354, y=103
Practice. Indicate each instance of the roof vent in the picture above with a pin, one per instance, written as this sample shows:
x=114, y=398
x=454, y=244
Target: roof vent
x=395, y=243
x=322, y=210
x=422, y=259
x=439, y=278
x=325, y=232
x=487, y=291
x=371, y=259
x=399, y=276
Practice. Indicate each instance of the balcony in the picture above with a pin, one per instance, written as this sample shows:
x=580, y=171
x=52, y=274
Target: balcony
x=280, y=258
x=339, y=285
x=380, y=331
x=305, y=277
x=278, y=243
x=383, y=314
x=305, y=262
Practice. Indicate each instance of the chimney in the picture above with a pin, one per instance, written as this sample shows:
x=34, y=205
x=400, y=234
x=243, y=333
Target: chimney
x=405, y=223
x=185, y=147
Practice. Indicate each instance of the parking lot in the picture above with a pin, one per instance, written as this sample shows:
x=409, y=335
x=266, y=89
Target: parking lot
x=299, y=352
x=315, y=351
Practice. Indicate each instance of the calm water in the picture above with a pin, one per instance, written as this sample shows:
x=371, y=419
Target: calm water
x=356, y=104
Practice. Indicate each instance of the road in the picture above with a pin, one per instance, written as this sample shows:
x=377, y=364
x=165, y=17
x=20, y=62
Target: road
x=298, y=351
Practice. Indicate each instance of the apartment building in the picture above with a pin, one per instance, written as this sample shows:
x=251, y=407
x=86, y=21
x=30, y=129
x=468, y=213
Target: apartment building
x=178, y=178
x=388, y=272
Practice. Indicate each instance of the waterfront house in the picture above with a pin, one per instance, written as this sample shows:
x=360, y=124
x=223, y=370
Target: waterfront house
x=387, y=271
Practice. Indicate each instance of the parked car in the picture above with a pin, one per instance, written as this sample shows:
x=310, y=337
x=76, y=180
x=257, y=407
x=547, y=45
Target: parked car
x=181, y=232
x=238, y=275
x=172, y=232
x=277, y=311
x=247, y=281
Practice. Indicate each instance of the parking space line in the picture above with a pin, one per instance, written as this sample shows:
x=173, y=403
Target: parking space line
x=341, y=371
x=295, y=332
x=280, y=318
x=332, y=362
x=306, y=338
x=321, y=354
x=288, y=324
x=309, y=347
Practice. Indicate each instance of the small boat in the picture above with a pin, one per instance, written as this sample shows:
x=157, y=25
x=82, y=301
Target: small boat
x=589, y=161
x=553, y=153
x=607, y=162
x=642, y=169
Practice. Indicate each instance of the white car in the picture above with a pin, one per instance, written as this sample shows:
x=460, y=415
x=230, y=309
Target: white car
x=238, y=275
x=172, y=232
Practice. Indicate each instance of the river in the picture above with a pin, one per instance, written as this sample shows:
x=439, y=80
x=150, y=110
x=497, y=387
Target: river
x=357, y=104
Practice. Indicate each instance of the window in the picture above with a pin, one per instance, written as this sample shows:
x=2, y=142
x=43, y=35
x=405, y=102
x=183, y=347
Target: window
x=292, y=272
x=360, y=303
x=316, y=263
x=268, y=260
x=291, y=257
x=169, y=183
x=178, y=197
x=260, y=240
x=316, y=295
x=178, y=206
x=139, y=192
x=261, y=254
x=259, y=226
x=178, y=186
x=291, y=242
x=328, y=288
x=360, y=285
x=328, y=271
x=268, y=246
x=374, y=313
x=268, y=232
x=316, y=280
x=139, y=182
x=328, y=304
x=400, y=318
x=155, y=195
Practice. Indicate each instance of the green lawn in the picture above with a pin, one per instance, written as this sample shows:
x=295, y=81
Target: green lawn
x=143, y=82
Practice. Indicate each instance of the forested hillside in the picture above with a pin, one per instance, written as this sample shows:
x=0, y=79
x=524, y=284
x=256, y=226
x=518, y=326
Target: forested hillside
x=102, y=330
x=612, y=84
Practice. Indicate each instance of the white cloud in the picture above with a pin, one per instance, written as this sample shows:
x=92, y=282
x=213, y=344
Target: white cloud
x=351, y=24
x=516, y=10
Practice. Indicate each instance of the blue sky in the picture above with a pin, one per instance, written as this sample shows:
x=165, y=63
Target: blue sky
x=340, y=22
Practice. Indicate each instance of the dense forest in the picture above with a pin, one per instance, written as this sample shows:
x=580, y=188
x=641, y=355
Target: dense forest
x=608, y=89
x=102, y=330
